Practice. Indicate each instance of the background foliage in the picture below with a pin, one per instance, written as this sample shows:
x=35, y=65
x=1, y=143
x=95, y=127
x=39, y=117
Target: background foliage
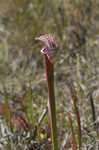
x=76, y=26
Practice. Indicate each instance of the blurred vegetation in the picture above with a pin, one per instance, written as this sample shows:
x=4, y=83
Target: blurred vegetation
x=76, y=26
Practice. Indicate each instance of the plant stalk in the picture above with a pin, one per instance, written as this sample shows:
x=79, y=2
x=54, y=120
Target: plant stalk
x=72, y=131
x=49, y=69
x=74, y=99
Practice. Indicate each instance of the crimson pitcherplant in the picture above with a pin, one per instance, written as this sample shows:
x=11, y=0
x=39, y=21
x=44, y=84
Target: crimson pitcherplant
x=49, y=51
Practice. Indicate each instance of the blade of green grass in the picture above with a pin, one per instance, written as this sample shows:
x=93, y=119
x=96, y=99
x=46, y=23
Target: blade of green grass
x=7, y=113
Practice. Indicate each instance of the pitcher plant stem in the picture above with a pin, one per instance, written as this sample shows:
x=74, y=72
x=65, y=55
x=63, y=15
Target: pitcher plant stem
x=49, y=69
